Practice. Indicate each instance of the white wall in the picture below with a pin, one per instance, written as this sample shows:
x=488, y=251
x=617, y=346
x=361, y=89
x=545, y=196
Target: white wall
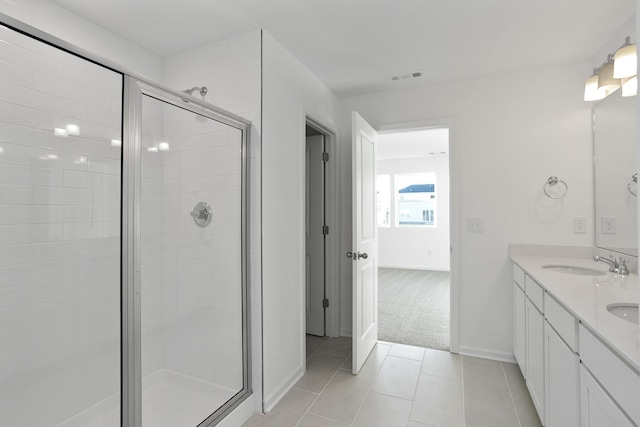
x=418, y=247
x=289, y=92
x=511, y=132
x=59, y=22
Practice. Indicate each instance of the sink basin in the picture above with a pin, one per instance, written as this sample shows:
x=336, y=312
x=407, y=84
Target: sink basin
x=570, y=269
x=626, y=311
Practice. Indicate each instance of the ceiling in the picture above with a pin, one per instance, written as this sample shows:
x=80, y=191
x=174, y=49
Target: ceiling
x=353, y=45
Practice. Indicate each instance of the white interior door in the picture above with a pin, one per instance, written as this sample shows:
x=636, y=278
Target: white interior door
x=365, y=241
x=314, y=235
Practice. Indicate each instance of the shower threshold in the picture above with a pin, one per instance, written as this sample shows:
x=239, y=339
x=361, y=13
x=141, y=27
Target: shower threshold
x=169, y=399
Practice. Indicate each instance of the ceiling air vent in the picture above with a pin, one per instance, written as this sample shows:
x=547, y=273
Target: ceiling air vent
x=404, y=76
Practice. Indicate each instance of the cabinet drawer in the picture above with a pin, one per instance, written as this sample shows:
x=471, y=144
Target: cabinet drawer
x=518, y=276
x=622, y=383
x=534, y=292
x=562, y=321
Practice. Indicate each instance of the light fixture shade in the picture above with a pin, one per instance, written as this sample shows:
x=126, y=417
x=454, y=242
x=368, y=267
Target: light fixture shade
x=606, y=80
x=591, y=91
x=625, y=62
x=630, y=86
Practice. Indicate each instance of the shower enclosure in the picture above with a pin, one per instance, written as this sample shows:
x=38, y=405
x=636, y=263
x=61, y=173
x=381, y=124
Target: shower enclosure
x=123, y=285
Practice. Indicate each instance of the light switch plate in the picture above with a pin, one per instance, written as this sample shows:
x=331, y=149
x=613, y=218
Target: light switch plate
x=475, y=225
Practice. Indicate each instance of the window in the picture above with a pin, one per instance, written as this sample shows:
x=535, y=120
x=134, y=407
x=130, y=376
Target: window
x=383, y=200
x=415, y=199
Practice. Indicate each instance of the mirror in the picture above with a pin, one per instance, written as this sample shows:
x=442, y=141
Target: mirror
x=616, y=188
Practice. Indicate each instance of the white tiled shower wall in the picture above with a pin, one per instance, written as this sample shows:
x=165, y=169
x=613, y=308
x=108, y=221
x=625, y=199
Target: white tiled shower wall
x=60, y=225
x=191, y=280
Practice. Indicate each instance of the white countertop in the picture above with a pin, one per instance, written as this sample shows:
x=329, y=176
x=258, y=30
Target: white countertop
x=587, y=297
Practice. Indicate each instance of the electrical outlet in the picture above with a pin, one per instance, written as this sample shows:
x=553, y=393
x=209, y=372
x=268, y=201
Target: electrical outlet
x=608, y=225
x=579, y=224
x=475, y=225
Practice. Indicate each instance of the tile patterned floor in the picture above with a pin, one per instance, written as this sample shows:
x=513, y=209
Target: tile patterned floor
x=403, y=386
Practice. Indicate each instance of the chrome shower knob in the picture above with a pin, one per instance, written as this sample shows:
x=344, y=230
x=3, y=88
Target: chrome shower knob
x=201, y=214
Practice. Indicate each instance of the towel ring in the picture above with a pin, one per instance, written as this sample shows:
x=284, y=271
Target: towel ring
x=634, y=178
x=551, y=182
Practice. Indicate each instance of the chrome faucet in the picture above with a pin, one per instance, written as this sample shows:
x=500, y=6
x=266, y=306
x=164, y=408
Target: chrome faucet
x=615, y=266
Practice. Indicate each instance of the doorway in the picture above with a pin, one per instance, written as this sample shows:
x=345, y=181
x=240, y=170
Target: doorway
x=413, y=203
x=315, y=232
x=321, y=231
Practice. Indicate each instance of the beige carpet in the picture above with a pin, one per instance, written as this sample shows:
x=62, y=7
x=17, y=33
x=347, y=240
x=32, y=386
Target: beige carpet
x=413, y=307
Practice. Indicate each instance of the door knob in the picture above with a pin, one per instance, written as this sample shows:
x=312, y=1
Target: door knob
x=357, y=255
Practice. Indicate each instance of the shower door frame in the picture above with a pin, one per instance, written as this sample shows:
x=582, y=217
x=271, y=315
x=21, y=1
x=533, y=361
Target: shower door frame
x=134, y=86
x=134, y=91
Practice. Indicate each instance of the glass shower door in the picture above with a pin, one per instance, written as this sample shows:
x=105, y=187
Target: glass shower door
x=60, y=157
x=191, y=264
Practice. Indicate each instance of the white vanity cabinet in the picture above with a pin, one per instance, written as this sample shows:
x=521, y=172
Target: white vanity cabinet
x=598, y=409
x=519, y=331
x=528, y=334
x=534, y=344
x=621, y=383
x=562, y=367
x=574, y=378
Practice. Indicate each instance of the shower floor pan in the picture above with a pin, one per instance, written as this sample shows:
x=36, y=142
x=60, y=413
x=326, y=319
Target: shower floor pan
x=169, y=399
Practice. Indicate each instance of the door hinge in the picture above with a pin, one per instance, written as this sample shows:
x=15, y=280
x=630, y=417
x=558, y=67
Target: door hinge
x=325, y=157
x=325, y=303
x=325, y=229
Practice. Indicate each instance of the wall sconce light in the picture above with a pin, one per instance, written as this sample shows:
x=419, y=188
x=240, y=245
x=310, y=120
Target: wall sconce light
x=625, y=60
x=630, y=86
x=591, y=90
x=606, y=80
x=617, y=71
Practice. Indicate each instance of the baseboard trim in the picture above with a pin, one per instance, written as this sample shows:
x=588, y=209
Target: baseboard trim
x=413, y=267
x=272, y=399
x=345, y=332
x=484, y=353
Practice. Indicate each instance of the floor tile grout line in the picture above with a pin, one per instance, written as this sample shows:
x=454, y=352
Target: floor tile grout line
x=369, y=389
x=318, y=396
x=413, y=401
x=515, y=409
x=491, y=403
